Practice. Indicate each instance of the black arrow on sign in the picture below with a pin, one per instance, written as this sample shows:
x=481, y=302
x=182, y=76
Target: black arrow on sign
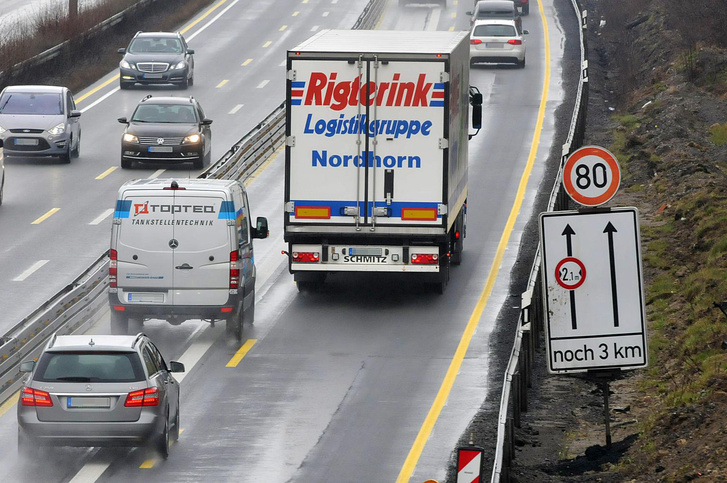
x=568, y=233
x=610, y=230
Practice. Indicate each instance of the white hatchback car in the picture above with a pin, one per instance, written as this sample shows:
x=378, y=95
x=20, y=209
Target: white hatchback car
x=497, y=41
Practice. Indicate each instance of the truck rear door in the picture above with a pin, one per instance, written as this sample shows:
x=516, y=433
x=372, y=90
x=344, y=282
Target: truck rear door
x=366, y=141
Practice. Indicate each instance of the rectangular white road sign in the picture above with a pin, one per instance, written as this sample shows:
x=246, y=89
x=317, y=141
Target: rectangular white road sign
x=592, y=281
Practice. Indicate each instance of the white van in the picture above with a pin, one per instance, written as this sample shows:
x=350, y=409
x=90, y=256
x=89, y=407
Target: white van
x=183, y=250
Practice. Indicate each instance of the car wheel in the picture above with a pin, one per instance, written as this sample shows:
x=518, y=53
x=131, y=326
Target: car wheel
x=124, y=85
x=125, y=163
x=198, y=163
x=184, y=84
x=163, y=439
x=119, y=323
x=175, y=431
x=76, y=151
x=191, y=80
x=521, y=63
x=66, y=157
x=2, y=189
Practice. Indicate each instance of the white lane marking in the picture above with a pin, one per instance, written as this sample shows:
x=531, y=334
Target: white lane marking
x=157, y=173
x=282, y=64
x=263, y=84
x=315, y=27
x=30, y=271
x=195, y=352
x=236, y=108
x=325, y=14
x=214, y=19
x=334, y=2
x=102, y=216
x=97, y=101
x=433, y=19
x=91, y=472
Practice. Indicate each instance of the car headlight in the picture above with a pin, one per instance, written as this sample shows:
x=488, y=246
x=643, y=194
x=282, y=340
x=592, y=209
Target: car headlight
x=58, y=129
x=130, y=138
x=180, y=65
x=192, y=139
x=126, y=65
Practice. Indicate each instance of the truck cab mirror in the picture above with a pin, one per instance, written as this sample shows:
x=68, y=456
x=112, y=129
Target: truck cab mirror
x=476, y=103
x=261, y=230
x=27, y=366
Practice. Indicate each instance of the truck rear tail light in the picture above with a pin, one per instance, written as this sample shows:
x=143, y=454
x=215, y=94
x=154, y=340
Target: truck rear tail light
x=113, y=255
x=515, y=42
x=314, y=212
x=35, y=397
x=425, y=258
x=306, y=257
x=475, y=41
x=234, y=270
x=423, y=214
x=142, y=397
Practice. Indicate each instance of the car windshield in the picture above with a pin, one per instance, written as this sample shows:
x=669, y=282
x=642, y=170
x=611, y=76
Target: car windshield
x=91, y=366
x=146, y=45
x=167, y=113
x=494, y=31
x=31, y=103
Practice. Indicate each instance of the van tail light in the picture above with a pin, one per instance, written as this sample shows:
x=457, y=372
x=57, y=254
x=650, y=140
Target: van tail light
x=234, y=270
x=306, y=257
x=515, y=42
x=142, y=397
x=35, y=397
x=475, y=41
x=113, y=255
x=425, y=258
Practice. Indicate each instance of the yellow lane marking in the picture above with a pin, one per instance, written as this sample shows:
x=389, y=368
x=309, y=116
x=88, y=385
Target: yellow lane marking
x=116, y=77
x=107, y=172
x=451, y=29
x=267, y=44
x=223, y=83
x=304, y=1
x=283, y=28
x=46, y=216
x=296, y=13
x=247, y=62
x=241, y=353
x=205, y=15
x=148, y=464
x=426, y=430
x=12, y=400
x=454, y=14
x=263, y=167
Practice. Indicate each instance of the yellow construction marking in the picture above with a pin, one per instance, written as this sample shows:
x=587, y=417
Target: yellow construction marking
x=12, y=400
x=426, y=430
x=46, y=216
x=148, y=464
x=223, y=83
x=283, y=27
x=296, y=13
x=267, y=44
x=107, y=172
x=451, y=29
x=241, y=353
x=247, y=62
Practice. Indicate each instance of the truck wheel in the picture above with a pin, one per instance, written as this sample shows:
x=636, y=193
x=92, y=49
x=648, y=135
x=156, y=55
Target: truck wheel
x=309, y=282
x=441, y=286
x=119, y=323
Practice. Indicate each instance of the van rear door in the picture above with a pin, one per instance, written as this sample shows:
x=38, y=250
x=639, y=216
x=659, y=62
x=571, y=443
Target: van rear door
x=203, y=227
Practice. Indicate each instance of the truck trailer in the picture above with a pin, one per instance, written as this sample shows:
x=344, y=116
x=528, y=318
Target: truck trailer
x=377, y=127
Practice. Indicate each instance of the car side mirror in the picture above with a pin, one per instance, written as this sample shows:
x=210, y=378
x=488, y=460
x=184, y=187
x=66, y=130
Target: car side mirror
x=123, y=120
x=469, y=13
x=206, y=122
x=1, y=143
x=525, y=32
x=27, y=366
x=261, y=230
x=175, y=366
x=121, y=51
x=75, y=114
x=190, y=51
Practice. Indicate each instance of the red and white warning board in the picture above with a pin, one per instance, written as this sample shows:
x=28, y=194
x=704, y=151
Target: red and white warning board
x=469, y=464
x=592, y=281
x=591, y=176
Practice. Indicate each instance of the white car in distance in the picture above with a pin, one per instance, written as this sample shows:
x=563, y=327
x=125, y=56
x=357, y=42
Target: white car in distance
x=497, y=41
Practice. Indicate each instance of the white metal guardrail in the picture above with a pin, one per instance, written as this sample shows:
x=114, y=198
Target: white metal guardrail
x=74, y=307
x=513, y=399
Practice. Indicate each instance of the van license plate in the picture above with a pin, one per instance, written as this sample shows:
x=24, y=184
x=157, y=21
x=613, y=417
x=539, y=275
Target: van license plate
x=89, y=402
x=146, y=297
x=160, y=149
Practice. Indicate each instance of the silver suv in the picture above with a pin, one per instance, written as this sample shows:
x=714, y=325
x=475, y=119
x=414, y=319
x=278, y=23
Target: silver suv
x=40, y=121
x=99, y=390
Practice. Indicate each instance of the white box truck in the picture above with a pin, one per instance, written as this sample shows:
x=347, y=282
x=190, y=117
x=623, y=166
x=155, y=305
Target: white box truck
x=183, y=249
x=376, y=153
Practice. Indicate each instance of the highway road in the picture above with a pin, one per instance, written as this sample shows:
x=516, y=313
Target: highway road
x=362, y=381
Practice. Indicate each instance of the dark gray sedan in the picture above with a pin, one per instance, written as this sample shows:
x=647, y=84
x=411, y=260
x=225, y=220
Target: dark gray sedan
x=99, y=390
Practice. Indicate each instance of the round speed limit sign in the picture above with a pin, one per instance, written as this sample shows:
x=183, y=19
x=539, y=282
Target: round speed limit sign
x=591, y=176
